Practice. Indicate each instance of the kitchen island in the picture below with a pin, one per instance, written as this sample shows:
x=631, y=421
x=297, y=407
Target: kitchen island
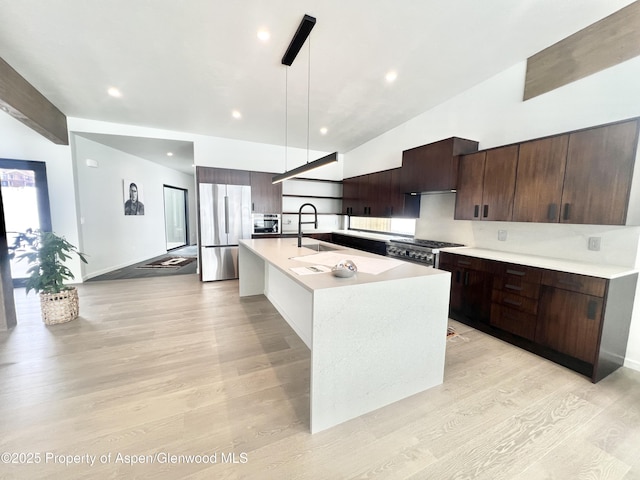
x=374, y=338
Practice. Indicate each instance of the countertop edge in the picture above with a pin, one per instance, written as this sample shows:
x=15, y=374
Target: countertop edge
x=550, y=263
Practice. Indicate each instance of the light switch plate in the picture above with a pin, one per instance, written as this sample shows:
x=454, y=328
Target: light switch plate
x=502, y=235
x=594, y=243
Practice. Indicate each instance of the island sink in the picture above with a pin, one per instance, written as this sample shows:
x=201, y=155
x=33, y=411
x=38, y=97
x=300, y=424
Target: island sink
x=321, y=248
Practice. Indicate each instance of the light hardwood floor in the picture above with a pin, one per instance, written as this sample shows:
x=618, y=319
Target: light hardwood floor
x=171, y=366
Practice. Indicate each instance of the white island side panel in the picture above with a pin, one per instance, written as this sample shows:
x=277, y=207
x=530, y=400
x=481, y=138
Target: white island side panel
x=374, y=344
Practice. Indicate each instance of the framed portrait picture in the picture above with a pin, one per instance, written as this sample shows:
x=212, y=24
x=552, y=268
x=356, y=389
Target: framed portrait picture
x=133, y=198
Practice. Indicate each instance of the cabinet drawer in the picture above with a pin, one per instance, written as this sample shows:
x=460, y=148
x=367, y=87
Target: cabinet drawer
x=516, y=302
x=471, y=263
x=516, y=286
x=513, y=321
x=522, y=272
x=575, y=283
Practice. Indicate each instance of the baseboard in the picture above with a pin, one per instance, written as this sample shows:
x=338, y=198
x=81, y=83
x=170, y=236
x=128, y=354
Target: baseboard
x=117, y=267
x=632, y=364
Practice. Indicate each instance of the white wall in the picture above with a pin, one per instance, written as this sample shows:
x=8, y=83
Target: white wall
x=111, y=239
x=19, y=142
x=494, y=114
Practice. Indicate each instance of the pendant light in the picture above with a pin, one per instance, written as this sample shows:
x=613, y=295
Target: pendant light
x=304, y=29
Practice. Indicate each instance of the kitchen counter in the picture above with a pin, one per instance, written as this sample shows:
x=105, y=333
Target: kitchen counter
x=550, y=263
x=374, y=339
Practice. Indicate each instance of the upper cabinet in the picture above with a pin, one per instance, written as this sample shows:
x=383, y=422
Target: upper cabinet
x=378, y=195
x=541, y=169
x=434, y=167
x=265, y=196
x=598, y=174
x=581, y=177
x=486, y=183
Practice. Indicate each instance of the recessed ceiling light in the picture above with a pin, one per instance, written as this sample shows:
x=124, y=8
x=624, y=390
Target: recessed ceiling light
x=391, y=76
x=236, y=114
x=169, y=154
x=263, y=35
x=114, y=92
x=323, y=130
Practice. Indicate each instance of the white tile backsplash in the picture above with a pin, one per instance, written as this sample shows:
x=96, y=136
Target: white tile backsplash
x=619, y=244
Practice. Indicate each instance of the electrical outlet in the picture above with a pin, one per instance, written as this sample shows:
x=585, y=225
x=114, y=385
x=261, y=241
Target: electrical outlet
x=502, y=235
x=594, y=243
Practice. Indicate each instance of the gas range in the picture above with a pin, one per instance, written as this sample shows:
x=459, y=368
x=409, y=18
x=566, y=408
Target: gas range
x=417, y=250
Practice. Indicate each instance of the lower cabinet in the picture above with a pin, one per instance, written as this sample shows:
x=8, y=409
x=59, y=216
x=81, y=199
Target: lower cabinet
x=578, y=321
x=471, y=281
x=360, y=243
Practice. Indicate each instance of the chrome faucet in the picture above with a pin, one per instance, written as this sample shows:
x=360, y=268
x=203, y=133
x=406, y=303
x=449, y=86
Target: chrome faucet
x=300, y=222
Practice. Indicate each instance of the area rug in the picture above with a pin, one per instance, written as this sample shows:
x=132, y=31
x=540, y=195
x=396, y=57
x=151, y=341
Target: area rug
x=169, y=262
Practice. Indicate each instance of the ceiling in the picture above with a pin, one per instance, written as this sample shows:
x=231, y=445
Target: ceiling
x=186, y=65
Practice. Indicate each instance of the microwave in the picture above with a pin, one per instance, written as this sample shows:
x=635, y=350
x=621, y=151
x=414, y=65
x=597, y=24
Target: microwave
x=266, y=223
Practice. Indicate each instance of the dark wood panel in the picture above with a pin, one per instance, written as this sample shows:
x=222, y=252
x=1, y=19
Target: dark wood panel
x=360, y=243
x=513, y=321
x=265, y=196
x=516, y=286
x=470, y=181
x=605, y=43
x=26, y=104
x=569, y=323
x=574, y=282
x=499, y=183
x=223, y=175
x=515, y=301
x=539, y=180
x=434, y=167
x=598, y=174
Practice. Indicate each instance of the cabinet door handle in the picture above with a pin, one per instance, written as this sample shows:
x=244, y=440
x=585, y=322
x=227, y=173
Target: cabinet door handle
x=457, y=276
x=567, y=211
x=591, y=309
x=512, y=302
x=466, y=278
x=476, y=211
x=253, y=207
x=464, y=262
x=515, y=272
x=513, y=287
x=552, y=213
x=392, y=210
x=485, y=211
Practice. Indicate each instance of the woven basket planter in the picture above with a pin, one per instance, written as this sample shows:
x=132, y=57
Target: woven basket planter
x=59, y=307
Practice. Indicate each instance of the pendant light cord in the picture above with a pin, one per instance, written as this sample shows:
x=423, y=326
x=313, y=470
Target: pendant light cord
x=308, y=96
x=286, y=114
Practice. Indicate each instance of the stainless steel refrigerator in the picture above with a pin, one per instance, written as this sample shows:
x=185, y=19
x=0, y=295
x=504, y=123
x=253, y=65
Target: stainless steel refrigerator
x=225, y=218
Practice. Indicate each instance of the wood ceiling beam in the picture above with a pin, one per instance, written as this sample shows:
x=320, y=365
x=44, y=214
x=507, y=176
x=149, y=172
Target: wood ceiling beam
x=23, y=102
x=610, y=41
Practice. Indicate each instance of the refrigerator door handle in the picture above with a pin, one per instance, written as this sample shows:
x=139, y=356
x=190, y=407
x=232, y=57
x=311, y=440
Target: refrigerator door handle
x=226, y=214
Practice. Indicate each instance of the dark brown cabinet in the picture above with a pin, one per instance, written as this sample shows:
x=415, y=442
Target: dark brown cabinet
x=598, y=174
x=378, y=195
x=368, y=245
x=578, y=321
x=514, y=302
x=434, y=167
x=539, y=181
x=486, y=184
x=265, y=196
x=471, y=283
x=222, y=175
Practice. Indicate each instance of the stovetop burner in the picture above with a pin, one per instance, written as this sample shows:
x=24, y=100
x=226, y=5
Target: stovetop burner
x=425, y=243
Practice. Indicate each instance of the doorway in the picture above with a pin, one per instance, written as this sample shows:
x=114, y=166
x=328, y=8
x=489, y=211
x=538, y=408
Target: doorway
x=175, y=217
x=25, y=198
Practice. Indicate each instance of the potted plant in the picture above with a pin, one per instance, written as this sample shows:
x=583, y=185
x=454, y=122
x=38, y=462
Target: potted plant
x=46, y=255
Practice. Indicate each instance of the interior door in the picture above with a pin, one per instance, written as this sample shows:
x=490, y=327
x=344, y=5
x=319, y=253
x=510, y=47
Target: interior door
x=175, y=217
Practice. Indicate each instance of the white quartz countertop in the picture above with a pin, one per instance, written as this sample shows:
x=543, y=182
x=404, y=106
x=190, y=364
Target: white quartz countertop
x=280, y=252
x=559, y=264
